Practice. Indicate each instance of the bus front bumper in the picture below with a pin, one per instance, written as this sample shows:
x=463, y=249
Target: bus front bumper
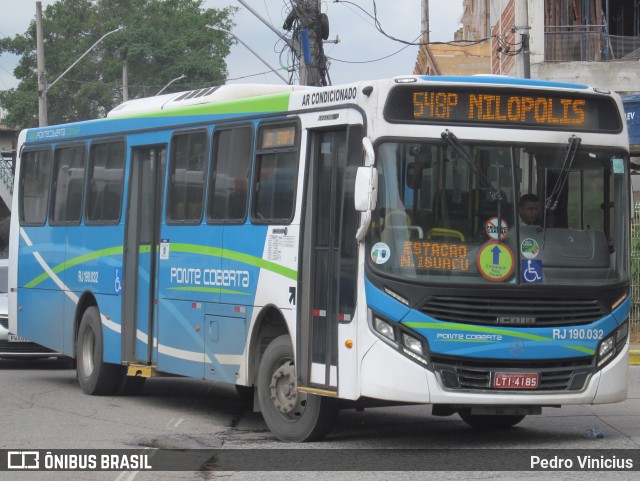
x=387, y=375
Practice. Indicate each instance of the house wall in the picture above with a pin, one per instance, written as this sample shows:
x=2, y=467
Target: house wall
x=621, y=77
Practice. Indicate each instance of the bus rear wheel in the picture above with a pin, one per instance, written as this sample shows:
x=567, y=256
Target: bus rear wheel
x=96, y=377
x=291, y=415
x=485, y=421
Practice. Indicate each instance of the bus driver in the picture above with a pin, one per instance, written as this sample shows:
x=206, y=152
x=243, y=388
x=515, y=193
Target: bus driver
x=529, y=209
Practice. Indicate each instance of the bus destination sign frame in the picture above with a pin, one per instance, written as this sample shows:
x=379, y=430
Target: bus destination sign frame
x=504, y=107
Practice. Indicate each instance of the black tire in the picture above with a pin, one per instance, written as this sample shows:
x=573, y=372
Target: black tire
x=485, y=421
x=291, y=415
x=246, y=394
x=96, y=377
x=130, y=385
x=65, y=362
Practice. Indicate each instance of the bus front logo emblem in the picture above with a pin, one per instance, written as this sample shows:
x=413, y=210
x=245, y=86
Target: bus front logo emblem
x=517, y=347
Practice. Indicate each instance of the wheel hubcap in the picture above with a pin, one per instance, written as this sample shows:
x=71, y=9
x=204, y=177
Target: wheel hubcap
x=284, y=394
x=88, y=344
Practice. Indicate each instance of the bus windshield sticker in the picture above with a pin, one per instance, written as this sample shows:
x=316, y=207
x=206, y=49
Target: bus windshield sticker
x=495, y=261
x=531, y=271
x=491, y=228
x=380, y=253
x=165, y=248
x=435, y=256
x=617, y=165
x=529, y=248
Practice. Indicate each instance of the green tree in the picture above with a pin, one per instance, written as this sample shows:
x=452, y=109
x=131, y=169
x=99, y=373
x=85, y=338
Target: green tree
x=159, y=41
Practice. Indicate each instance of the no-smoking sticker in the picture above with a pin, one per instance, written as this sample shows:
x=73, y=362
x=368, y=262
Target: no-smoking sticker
x=491, y=228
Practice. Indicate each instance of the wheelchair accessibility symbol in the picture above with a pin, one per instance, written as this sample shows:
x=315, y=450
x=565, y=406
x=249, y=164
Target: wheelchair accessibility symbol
x=531, y=271
x=117, y=283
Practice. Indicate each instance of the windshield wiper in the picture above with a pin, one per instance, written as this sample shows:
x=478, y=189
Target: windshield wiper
x=551, y=202
x=495, y=195
x=455, y=144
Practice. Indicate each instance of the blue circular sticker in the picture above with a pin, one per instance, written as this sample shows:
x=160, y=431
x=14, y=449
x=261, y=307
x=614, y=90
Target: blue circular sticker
x=380, y=253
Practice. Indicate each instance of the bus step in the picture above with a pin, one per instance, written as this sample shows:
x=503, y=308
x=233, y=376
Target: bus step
x=139, y=370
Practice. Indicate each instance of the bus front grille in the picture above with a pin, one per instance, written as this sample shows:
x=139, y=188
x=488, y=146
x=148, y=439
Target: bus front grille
x=514, y=311
x=477, y=376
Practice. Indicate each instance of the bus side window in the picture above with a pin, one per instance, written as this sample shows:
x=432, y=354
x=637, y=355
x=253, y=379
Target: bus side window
x=229, y=179
x=188, y=168
x=106, y=178
x=68, y=186
x=35, y=185
x=276, y=175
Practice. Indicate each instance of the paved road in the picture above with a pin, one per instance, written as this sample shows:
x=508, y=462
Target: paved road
x=43, y=408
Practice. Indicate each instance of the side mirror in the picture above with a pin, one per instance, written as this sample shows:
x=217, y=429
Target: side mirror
x=366, y=189
x=367, y=145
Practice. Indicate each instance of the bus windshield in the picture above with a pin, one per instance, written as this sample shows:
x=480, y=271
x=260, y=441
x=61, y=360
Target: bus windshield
x=473, y=212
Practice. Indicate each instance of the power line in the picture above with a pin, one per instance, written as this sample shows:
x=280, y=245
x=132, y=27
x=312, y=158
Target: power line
x=378, y=27
x=370, y=61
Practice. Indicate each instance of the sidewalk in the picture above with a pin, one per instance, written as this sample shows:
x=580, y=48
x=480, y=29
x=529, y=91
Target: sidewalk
x=634, y=354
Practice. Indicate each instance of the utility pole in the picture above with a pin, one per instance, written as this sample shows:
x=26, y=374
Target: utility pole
x=307, y=40
x=526, y=55
x=125, y=81
x=42, y=74
x=43, y=86
x=425, y=21
x=524, y=49
x=313, y=64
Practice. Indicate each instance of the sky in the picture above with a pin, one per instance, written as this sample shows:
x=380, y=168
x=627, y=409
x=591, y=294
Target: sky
x=359, y=40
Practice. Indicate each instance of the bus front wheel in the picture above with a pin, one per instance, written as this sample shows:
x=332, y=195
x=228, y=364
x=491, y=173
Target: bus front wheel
x=484, y=421
x=96, y=377
x=291, y=415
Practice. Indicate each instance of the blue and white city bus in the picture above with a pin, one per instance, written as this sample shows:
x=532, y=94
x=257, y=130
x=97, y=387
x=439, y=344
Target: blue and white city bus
x=337, y=246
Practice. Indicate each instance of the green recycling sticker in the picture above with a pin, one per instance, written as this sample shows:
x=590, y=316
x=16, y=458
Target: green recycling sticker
x=495, y=261
x=529, y=248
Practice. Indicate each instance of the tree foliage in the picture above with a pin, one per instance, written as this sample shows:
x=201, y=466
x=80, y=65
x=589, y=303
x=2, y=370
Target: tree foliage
x=160, y=40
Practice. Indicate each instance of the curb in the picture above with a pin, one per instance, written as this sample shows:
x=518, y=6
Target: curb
x=634, y=357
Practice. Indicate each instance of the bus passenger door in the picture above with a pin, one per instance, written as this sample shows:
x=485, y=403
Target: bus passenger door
x=328, y=282
x=142, y=229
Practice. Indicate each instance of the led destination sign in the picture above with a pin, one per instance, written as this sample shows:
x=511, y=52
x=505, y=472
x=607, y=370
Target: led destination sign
x=504, y=107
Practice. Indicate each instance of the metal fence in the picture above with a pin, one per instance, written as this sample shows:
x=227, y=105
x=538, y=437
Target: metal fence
x=635, y=273
x=588, y=44
x=6, y=173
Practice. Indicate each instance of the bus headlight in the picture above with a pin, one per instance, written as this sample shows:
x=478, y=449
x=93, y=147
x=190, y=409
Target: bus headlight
x=401, y=338
x=612, y=345
x=605, y=350
x=412, y=343
x=622, y=332
x=384, y=328
x=412, y=347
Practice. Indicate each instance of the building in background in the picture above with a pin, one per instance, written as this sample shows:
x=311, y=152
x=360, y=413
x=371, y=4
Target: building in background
x=455, y=58
x=8, y=140
x=594, y=42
